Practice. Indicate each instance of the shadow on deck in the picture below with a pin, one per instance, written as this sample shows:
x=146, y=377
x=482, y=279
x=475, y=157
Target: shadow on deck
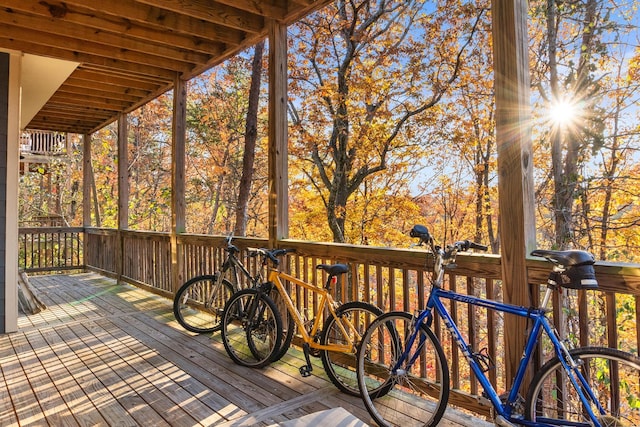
x=106, y=354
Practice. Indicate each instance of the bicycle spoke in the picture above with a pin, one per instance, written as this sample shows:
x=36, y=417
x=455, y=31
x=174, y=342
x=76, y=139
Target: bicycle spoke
x=409, y=395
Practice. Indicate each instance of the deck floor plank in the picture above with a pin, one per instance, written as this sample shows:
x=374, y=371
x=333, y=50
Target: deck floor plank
x=71, y=378
x=105, y=354
x=56, y=408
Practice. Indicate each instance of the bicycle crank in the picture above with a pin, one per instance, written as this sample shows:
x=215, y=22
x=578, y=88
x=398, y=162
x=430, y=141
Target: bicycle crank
x=305, y=370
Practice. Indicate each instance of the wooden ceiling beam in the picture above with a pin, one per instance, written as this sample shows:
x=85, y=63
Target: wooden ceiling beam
x=72, y=120
x=213, y=12
x=276, y=10
x=73, y=126
x=100, y=77
x=162, y=19
x=142, y=78
x=67, y=90
x=70, y=55
x=62, y=116
x=97, y=116
x=98, y=103
x=85, y=51
x=99, y=37
x=202, y=40
x=74, y=84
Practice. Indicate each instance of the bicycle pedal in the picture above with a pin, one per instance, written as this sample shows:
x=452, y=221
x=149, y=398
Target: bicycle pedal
x=305, y=370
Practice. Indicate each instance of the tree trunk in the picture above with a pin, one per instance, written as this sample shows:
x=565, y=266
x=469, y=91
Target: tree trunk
x=251, y=135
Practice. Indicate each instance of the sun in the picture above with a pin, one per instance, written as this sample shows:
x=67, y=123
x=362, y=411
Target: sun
x=564, y=113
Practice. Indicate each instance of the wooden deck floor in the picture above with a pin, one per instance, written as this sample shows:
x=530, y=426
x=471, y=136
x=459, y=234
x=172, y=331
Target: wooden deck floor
x=103, y=354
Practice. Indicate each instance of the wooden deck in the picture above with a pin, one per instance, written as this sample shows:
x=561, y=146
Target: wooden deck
x=103, y=354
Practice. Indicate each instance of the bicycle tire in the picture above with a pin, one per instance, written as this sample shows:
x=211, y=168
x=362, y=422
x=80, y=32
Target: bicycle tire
x=199, y=303
x=551, y=395
x=288, y=325
x=341, y=367
x=251, y=330
x=400, y=398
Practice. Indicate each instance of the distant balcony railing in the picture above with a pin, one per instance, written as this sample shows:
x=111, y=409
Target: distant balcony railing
x=44, y=143
x=50, y=249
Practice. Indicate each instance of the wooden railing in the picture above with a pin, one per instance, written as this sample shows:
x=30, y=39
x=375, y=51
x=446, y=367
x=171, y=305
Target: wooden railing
x=43, y=142
x=393, y=279
x=50, y=249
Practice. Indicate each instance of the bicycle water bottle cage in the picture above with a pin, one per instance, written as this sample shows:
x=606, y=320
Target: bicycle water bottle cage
x=574, y=269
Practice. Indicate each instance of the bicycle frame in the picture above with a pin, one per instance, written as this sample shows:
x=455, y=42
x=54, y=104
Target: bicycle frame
x=233, y=263
x=326, y=300
x=540, y=323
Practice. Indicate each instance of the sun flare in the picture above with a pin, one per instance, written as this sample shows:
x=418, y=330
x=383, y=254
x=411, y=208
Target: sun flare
x=564, y=113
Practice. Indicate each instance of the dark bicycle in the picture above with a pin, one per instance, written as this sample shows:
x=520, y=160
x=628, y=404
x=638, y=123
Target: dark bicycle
x=199, y=303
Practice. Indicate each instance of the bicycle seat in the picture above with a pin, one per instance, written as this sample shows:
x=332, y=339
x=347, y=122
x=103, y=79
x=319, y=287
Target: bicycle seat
x=566, y=258
x=333, y=269
x=578, y=270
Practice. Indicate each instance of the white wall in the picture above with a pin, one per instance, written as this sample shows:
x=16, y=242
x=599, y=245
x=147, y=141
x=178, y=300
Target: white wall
x=13, y=161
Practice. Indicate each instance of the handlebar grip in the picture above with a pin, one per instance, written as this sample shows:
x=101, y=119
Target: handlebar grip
x=478, y=246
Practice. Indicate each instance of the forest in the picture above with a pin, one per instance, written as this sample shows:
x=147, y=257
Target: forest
x=391, y=123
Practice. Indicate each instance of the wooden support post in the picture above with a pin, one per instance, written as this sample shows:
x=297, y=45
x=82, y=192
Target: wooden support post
x=515, y=164
x=123, y=191
x=86, y=181
x=278, y=146
x=178, y=147
x=87, y=185
x=10, y=64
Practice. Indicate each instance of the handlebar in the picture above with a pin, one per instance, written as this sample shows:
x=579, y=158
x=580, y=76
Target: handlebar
x=465, y=245
x=272, y=254
x=422, y=233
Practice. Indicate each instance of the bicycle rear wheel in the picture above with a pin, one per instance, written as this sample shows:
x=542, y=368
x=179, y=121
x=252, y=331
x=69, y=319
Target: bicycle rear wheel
x=612, y=375
x=411, y=394
x=341, y=367
x=251, y=328
x=199, y=303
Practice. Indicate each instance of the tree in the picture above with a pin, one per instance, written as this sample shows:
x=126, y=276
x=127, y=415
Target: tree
x=371, y=72
x=573, y=46
x=218, y=127
x=250, y=137
x=149, y=168
x=584, y=72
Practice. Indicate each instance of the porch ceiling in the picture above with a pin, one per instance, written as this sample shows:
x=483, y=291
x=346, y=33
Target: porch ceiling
x=131, y=51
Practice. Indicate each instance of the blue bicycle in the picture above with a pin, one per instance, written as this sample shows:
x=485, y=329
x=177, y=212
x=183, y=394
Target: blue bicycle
x=403, y=374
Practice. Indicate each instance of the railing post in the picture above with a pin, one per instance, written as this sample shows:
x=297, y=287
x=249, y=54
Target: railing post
x=123, y=191
x=178, y=146
x=515, y=164
x=86, y=192
x=278, y=150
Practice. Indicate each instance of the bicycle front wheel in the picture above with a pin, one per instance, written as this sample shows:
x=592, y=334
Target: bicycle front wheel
x=199, y=303
x=403, y=381
x=340, y=367
x=288, y=325
x=612, y=375
x=251, y=328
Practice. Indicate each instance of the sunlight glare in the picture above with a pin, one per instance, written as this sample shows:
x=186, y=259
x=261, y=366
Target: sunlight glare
x=563, y=113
